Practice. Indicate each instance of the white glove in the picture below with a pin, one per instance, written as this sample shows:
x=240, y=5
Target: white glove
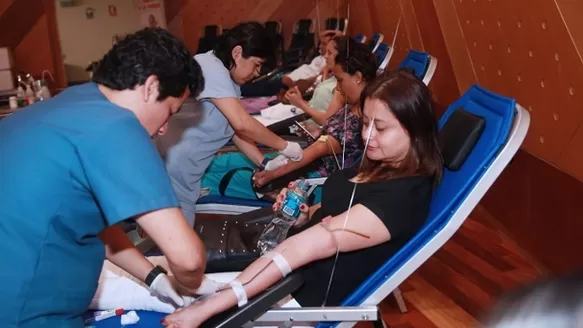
x=209, y=286
x=273, y=164
x=163, y=289
x=293, y=151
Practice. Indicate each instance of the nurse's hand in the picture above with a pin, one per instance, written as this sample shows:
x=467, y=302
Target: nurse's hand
x=293, y=151
x=209, y=286
x=163, y=287
x=275, y=163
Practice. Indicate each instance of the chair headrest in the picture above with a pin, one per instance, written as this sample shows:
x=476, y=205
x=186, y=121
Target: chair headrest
x=458, y=136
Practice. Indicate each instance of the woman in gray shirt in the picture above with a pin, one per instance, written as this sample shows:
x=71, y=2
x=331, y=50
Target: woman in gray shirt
x=202, y=129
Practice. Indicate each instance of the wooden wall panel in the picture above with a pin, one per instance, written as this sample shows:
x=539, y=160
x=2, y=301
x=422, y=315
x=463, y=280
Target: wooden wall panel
x=411, y=25
x=454, y=39
x=541, y=208
x=193, y=15
x=525, y=52
x=571, y=12
x=531, y=53
x=32, y=37
x=4, y=4
x=419, y=30
x=444, y=83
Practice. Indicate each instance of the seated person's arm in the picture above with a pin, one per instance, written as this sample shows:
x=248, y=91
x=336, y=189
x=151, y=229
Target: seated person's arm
x=313, y=152
x=304, y=84
x=177, y=240
x=315, y=243
x=121, y=252
x=295, y=98
x=248, y=149
x=287, y=81
x=245, y=125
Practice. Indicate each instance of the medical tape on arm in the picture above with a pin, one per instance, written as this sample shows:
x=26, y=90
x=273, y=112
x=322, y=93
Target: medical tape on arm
x=239, y=291
x=324, y=139
x=280, y=261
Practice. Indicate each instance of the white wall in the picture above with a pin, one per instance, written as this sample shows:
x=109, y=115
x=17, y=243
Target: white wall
x=85, y=40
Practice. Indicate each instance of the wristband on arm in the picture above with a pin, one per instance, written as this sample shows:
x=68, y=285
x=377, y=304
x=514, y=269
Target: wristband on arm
x=263, y=163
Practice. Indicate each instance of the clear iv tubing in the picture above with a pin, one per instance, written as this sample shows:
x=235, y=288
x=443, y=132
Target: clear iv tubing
x=347, y=214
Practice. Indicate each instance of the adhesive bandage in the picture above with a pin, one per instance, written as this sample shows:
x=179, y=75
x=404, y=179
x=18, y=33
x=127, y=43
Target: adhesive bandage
x=239, y=292
x=280, y=261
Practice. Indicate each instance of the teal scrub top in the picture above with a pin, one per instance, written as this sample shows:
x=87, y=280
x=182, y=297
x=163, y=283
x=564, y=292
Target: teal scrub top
x=69, y=167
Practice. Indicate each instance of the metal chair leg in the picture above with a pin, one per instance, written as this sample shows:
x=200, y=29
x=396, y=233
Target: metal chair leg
x=400, y=300
x=380, y=323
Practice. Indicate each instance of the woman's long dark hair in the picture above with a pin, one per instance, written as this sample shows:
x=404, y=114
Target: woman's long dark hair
x=355, y=57
x=409, y=99
x=251, y=36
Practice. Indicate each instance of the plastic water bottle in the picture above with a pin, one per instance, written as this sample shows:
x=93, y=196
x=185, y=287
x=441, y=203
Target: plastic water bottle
x=276, y=231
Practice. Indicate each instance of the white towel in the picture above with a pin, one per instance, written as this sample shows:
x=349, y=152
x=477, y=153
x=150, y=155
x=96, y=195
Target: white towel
x=118, y=289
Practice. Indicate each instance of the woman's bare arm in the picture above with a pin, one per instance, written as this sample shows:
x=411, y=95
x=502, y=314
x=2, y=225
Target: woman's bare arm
x=318, y=242
x=313, y=152
x=321, y=117
x=245, y=125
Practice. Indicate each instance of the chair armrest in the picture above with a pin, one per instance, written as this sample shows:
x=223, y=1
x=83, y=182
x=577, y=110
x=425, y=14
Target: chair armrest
x=261, y=215
x=237, y=317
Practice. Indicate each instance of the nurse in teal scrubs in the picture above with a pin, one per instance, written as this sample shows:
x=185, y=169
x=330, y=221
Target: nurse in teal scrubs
x=73, y=166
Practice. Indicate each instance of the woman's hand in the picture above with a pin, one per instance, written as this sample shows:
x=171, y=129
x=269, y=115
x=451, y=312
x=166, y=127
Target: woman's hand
x=262, y=178
x=304, y=209
x=294, y=97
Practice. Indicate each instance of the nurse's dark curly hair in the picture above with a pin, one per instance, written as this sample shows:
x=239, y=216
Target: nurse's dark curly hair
x=253, y=39
x=151, y=51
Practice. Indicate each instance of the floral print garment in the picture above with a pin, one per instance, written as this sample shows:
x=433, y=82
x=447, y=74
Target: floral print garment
x=343, y=123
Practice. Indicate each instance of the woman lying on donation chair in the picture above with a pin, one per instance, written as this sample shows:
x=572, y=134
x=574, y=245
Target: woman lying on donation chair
x=392, y=197
x=303, y=76
x=327, y=99
x=355, y=65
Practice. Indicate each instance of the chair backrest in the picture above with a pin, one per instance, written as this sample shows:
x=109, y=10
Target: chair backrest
x=211, y=31
x=273, y=27
x=210, y=35
x=360, y=38
x=303, y=26
x=374, y=42
x=506, y=125
x=422, y=64
x=300, y=48
x=336, y=23
x=384, y=53
x=206, y=44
